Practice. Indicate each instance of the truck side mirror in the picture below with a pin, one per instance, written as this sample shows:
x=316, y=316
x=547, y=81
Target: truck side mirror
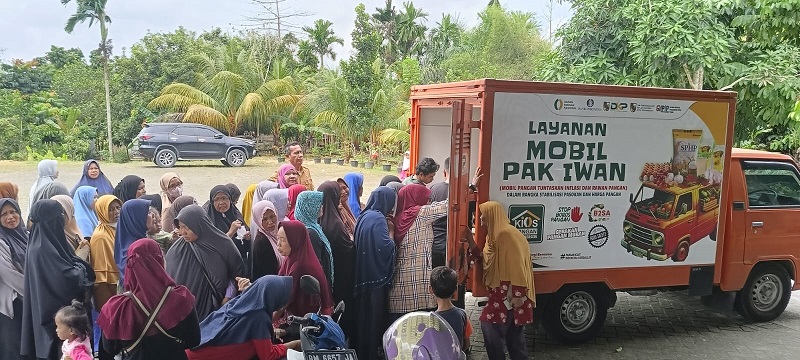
x=630, y=198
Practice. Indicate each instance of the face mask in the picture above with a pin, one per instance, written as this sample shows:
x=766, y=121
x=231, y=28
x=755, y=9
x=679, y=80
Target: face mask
x=175, y=192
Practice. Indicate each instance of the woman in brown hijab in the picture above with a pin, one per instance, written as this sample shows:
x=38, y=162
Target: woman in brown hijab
x=71, y=230
x=169, y=214
x=345, y=213
x=9, y=191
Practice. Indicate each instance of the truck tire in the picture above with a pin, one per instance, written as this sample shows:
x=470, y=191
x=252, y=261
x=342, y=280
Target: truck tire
x=236, y=157
x=165, y=158
x=575, y=313
x=681, y=252
x=766, y=293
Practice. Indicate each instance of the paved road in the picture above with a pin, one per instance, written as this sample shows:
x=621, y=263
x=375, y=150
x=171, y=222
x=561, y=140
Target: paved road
x=668, y=326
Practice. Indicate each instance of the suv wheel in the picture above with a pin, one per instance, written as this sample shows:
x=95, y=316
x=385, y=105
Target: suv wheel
x=165, y=158
x=236, y=158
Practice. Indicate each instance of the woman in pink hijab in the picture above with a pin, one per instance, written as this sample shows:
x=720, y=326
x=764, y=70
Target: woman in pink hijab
x=265, y=258
x=287, y=176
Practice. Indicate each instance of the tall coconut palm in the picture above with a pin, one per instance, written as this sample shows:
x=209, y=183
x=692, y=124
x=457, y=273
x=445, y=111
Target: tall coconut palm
x=386, y=106
x=321, y=39
x=228, y=94
x=447, y=32
x=95, y=10
x=385, y=19
x=410, y=31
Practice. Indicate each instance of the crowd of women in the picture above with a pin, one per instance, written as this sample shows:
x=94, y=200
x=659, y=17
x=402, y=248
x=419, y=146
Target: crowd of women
x=166, y=278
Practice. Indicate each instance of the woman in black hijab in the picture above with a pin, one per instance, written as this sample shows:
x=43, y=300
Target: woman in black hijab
x=389, y=178
x=204, y=259
x=13, y=246
x=343, y=249
x=54, y=276
x=155, y=202
x=222, y=211
x=129, y=188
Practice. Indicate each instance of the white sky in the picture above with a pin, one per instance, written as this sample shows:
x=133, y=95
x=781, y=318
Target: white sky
x=29, y=27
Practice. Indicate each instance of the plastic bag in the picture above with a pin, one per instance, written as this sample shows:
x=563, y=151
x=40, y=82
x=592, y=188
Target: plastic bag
x=421, y=335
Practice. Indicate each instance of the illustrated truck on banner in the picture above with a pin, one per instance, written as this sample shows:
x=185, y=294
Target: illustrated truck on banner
x=616, y=189
x=669, y=213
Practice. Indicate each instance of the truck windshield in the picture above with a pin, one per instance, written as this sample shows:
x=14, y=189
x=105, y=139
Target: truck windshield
x=658, y=205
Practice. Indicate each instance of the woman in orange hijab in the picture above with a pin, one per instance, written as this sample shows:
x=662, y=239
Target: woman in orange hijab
x=508, y=273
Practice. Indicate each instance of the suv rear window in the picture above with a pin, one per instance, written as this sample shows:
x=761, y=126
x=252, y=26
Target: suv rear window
x=771, y=184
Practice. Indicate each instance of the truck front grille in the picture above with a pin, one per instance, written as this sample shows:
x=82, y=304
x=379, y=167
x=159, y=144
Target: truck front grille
x=640, y=234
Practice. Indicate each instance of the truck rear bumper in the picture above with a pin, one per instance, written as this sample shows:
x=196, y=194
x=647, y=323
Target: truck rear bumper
x=642, y=253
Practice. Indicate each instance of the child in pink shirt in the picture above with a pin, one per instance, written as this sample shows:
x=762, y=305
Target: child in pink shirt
x=72, y=326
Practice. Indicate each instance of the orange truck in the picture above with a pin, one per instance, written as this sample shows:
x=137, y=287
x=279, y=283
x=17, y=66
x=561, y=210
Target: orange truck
x=616, y=189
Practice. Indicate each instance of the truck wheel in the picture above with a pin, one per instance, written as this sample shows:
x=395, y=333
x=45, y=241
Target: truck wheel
x=766, y=293
x=236, y=158
x=682, y=252
x=575, y=314
x=165, y=158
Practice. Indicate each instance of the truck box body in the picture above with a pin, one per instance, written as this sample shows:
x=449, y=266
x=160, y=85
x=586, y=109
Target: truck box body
x=620, y=187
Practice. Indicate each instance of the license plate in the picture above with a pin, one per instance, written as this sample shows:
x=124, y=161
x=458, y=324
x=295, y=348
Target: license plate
x=330, y=355
x=639, y=253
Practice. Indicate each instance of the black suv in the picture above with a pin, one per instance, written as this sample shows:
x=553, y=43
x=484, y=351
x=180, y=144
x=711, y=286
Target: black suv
x=166, y=143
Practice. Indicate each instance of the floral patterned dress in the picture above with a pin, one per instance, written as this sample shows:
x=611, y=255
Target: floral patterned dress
x=496, y=312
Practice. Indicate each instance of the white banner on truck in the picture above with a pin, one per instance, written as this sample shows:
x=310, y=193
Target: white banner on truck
x=601, y=182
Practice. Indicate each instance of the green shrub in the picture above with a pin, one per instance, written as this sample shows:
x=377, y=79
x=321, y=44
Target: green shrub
x=121, y=155
x=10, y=139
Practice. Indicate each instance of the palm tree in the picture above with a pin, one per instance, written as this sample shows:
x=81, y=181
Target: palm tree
x=306, y=55
x=321, y=38
x=410, y=32
x=387, y=108
x=229, y=94
x=385, y=20
x=95, y=10
x=447, y=32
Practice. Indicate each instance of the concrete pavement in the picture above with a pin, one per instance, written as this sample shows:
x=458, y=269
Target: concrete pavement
x=667, y=326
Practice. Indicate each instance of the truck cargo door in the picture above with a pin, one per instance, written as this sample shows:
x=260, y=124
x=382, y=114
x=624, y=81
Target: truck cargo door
x=460, y=196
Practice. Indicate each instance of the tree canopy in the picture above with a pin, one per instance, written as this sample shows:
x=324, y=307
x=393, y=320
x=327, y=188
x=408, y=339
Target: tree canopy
x=293, y=85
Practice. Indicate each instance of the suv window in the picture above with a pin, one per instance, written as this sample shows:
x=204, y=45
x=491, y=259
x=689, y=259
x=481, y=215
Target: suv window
x=185, y=131
x=771, y=184
x=205, y=132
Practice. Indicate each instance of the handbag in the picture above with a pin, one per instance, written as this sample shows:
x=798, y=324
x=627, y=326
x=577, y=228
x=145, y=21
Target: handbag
x=151, y=319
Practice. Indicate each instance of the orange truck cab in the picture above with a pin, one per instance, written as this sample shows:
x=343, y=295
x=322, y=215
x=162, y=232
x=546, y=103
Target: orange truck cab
x=616, y=189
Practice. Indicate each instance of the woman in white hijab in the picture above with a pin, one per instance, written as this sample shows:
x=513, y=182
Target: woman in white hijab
x=48, y=172
x=406, y=165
